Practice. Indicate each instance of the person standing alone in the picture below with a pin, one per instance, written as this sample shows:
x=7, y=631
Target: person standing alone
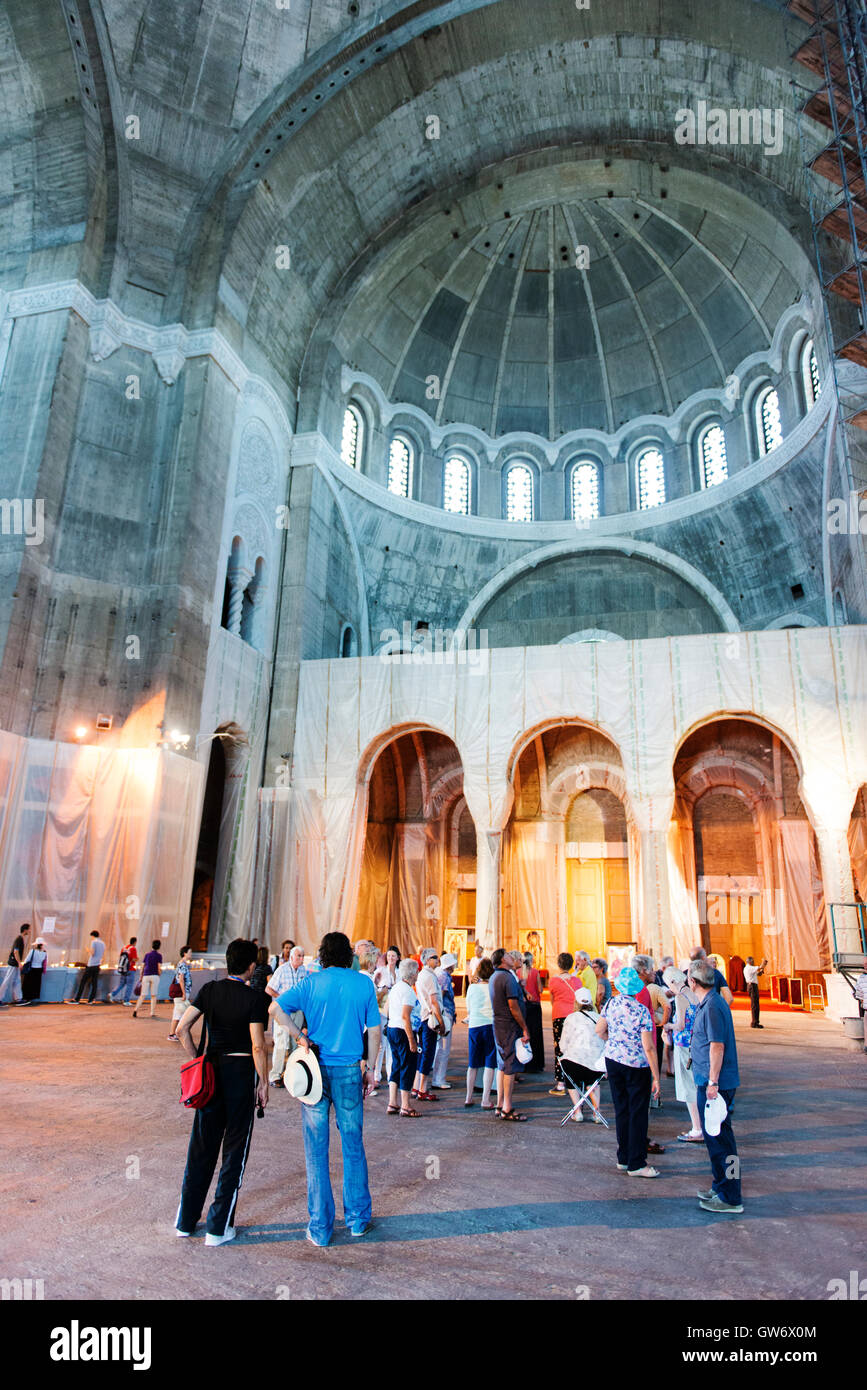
x=751, y=976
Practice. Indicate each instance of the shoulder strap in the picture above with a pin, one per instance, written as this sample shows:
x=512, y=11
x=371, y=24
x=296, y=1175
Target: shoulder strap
x=202, y=1036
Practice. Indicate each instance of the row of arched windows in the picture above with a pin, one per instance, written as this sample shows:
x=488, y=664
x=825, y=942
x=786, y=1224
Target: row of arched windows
x=584, y=475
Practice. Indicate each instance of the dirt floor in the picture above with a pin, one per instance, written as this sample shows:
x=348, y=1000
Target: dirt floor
x=92, y=1150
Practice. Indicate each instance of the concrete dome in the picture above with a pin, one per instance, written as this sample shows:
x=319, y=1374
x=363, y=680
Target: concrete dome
x=523, y=334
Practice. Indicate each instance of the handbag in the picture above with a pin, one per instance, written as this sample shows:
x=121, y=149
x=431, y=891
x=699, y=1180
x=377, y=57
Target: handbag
x=175, y=991
x=197, y=1076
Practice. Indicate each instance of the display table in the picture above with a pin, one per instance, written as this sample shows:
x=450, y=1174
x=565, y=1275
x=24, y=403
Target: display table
x=60, y=982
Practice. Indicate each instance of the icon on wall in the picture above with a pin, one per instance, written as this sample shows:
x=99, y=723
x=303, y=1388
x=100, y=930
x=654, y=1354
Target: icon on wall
x=532, y=942
x=455, y=944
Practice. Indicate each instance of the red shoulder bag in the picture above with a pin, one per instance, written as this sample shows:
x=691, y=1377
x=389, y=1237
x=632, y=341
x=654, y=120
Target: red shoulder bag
x=197, y=1076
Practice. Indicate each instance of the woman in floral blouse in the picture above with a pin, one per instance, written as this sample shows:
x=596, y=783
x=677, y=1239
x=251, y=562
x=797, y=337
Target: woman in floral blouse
x=633, y=1071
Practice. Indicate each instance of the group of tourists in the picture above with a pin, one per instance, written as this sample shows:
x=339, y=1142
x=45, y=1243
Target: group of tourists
x=356, y=1015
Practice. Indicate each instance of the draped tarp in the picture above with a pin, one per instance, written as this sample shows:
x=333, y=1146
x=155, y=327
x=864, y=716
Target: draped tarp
x=807, y=934
x=535, y=853
x=96, y=839
x=682, y=881
x=857, y=835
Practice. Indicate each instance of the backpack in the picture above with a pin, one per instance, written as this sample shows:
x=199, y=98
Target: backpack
x=683, y=1037
x=123, y=962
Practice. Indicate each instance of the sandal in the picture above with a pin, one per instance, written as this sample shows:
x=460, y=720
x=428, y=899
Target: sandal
x=468, y=1103
x=428, y=1095
x=491, y=1107
x=656, y=1148
x=512, y=1115
x=393, y=1110
x=690, y=1138
x=410, y=1114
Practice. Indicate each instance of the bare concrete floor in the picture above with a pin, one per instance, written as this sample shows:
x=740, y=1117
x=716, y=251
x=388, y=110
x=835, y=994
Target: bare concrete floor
x=534, y=1211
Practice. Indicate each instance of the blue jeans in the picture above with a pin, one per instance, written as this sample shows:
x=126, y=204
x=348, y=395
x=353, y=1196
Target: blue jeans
x=126, y=987
x=722, y=1150
x=342, y=1088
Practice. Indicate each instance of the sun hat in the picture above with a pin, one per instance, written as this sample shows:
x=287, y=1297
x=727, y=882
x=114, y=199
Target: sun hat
x=448, y=960
x=673, y=977
x=302, y=1077
x=523, y=1051
x=715, y=1112
x=629, y=981
x=583, y=996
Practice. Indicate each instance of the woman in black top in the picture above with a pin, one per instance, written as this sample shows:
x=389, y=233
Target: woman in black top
x=235, y=1016
x=262, y=972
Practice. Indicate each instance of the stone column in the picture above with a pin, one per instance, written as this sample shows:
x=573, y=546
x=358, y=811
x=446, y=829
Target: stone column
x=239, y=578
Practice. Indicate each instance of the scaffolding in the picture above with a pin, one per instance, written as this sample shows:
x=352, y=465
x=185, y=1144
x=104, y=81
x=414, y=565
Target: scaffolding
x=832, y=126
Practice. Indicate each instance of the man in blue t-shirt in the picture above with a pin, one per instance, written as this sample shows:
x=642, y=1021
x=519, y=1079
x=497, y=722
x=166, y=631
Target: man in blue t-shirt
x=338, y=1004
x=715, y=1068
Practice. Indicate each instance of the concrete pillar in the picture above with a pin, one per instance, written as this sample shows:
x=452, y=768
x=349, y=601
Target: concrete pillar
x=489, y=855
x=654, y=927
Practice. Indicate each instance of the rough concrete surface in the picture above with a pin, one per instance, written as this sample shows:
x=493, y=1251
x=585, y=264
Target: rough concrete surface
x=531, y=1212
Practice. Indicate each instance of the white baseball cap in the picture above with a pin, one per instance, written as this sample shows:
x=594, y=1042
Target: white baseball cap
x=715, y=1112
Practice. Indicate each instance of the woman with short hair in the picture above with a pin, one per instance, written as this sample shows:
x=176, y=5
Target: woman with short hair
x=562, y=989
x=184, y=981
x=483, y=1048
x=402, y=1040
x=531, y=980
x=685, y=1006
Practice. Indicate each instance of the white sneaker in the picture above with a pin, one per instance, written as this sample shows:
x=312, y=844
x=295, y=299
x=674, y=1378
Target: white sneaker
x=578, y=1118
x=597, y=1118
x=183, y=1235
x=443, y=1086
x=220, y=1240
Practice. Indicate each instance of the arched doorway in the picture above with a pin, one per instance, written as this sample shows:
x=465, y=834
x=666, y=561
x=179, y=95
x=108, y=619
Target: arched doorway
x=207, y=849
x=417, y=880
x=568, y=845
x=747, y=852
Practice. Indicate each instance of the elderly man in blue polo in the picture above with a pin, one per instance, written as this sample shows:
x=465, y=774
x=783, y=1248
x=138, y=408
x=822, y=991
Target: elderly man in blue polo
x=715, y=1066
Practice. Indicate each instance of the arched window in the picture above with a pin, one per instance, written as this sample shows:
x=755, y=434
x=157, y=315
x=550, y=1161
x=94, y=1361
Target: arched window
x=348, y=644
x=519, y=492
x=401, y=456
x=841, y=616
x=456, y=484
x=712, y=457
x=584, y=490
x=769, y=428
x=252, y=600
x=810, y=380
x=651, y=479
x=352, y=440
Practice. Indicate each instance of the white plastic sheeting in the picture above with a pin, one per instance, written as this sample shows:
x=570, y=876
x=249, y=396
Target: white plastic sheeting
x=808, y=684
x=98, y=839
